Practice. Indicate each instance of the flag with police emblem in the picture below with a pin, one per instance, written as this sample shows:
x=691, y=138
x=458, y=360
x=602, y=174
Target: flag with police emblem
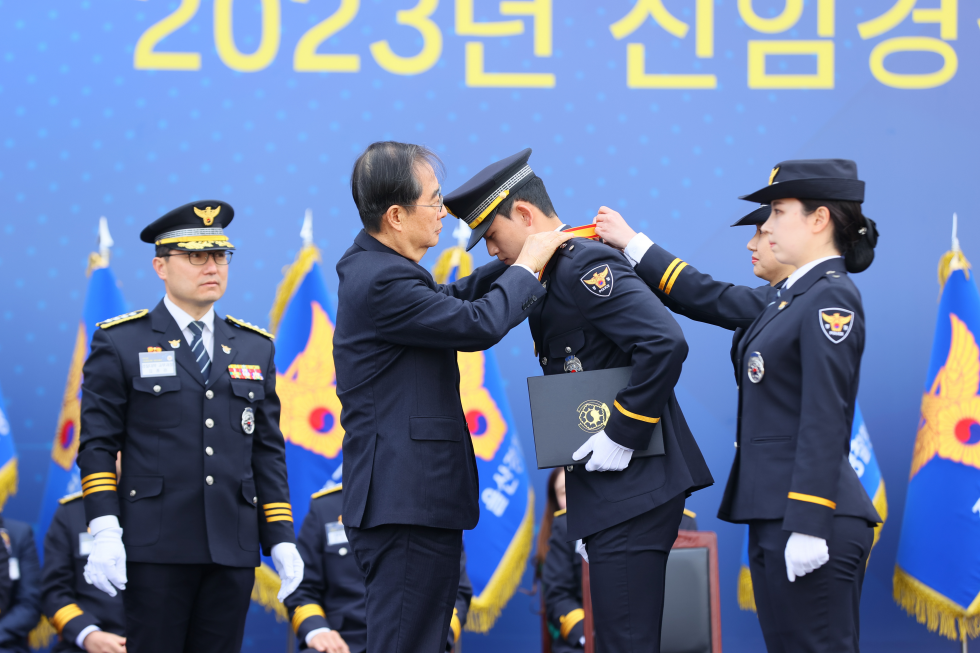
x=103, y=300
x=498, y=548
x=937, y=571
x=8, y=457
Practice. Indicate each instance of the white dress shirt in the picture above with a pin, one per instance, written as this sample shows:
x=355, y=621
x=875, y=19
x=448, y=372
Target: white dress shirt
x=800, y=271
x=636, y=248
x=184, y=322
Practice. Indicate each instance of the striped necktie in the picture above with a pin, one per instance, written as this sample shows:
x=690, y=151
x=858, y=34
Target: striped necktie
x=199, y=350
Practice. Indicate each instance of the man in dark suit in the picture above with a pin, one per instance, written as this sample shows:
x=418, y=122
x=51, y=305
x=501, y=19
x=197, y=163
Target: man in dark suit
x=410, y=475
x=328, y=608
x=22, y=609
x=190, y=400
x=599, y=315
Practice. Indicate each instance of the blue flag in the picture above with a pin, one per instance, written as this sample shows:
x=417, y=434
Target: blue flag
x=937, y=572
x=103, y=300
x=8, y=457
x=498, y=548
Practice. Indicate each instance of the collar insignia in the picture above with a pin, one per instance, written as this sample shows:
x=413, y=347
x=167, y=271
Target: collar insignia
x=175, y=344
x=226, y=349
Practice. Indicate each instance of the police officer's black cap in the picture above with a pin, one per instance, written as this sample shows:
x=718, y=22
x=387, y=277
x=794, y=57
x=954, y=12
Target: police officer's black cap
x=476, y=201
x=198, y=226
x=757, y=217
x=815, y=179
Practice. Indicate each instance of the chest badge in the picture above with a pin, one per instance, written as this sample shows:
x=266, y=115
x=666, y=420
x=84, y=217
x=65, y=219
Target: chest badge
x=599, y=281
x=174, y=343
x=226, y=349
x=836, y=323
x=757, y=367
x=573, y=364
x=248, y=421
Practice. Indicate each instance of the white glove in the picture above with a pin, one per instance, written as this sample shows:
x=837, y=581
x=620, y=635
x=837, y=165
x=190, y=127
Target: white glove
x=106, y=566
x=804, y=553
x=607, y=456
x=289, y=565
x=580, y=549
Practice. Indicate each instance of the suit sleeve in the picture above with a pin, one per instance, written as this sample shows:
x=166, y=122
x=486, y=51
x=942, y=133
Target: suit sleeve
x=686, y=291
x=462, y=607
x=631, y=316
x=407, y=311
x=103, y=424
x=269, y=467
x=477, y=283
x=303, y=605
x=829, y=378
x=25, y=610
x=562, y=588
x=58, y=581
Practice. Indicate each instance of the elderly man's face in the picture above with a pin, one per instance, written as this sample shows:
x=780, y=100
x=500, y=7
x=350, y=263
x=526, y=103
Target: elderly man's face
x=424, y=223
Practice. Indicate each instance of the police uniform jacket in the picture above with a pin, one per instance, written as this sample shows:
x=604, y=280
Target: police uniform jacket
x=332, y=593
x=20, y=612
x=561, y=580
x=598, y=310
x=70, y=603
x=197, y=487
x=408, y=458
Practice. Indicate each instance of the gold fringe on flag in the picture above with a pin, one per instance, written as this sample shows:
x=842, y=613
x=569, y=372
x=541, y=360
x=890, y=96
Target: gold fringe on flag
x=8, y=481
x=42, y=634
x=266, y=589
x=292, y=276
x=486, y=608
x=937, y=612
x=452, y=257
x=746, y=595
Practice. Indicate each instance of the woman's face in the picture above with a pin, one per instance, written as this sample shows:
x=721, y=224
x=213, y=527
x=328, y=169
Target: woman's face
x=797, y=238
x=764, y=263
x=560, y=489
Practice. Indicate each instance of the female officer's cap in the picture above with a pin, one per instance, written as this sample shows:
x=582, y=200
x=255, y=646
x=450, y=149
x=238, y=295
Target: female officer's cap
x=757, y=217
x=196, y=227
x=815, y=179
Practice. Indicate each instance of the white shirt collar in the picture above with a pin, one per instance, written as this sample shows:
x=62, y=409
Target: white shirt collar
x=183, y=319
x=800, y=271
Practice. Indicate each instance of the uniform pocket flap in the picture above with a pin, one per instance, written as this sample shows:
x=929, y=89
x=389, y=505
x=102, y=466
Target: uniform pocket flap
x=567, y=344
x=250, y=391
x=156, y=385
x=435, y=428
x=135, y=488
x=248, y=492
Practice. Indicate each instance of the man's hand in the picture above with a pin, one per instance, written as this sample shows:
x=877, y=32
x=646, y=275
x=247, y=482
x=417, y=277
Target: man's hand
x=100, y=641
x=106, y=566
x=289, y=565
x=329, y=641
x=539, y=248
x=612, y=228
x=607, y=456
x=804, y=553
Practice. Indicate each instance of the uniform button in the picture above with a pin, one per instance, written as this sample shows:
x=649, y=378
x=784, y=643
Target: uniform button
x=568, y=350
x=157, y=388
x=209, y=480
x=571, y=247
x=251, y=395
x=569, y=468
x=255, y=500
x=342, y=551
x=544, y=361
x=209, y=451
x=209, y=394
x=209, y=422
x=132, y=493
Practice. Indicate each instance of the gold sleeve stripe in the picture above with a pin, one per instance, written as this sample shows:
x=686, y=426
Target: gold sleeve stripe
x=673, y=278
x=64, y=615
x=101, y=488
x=91, y=477
x=304, y=612
x=690, y=513
x=456, y=625
x=99, y=481
x=279, y=518
x=670, y=268
x=266, y=506
x=559, y=513
x=809, y=498
x=278, y=511
x=642, y=418
x=569, y=620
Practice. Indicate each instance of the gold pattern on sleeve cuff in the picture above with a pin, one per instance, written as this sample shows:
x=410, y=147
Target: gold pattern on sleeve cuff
x=642, y=418
x=569, y=620
x=304, y=612
x=809, y=498
x=64, y=615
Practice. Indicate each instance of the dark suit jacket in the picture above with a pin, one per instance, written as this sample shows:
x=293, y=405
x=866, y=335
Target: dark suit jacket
x=20, y=613
x=168, y=511
x=70, y=603
x=616, y=321
x=408, y=458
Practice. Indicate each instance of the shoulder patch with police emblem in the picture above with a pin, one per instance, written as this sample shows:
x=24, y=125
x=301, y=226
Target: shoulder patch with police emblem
x=836, y=323
x=599, y=280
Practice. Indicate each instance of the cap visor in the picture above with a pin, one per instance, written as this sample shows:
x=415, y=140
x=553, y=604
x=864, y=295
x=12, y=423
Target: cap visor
x=757, y=217
x=480, y=231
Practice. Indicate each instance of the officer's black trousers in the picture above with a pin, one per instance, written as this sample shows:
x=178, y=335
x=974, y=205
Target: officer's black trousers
x=627, y=570
x=819, y=612
x=412, y=575
x=189, y=608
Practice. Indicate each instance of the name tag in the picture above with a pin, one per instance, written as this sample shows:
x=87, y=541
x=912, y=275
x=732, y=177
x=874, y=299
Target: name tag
x=336, y=534
x=85, y=541
x=14, y=569
x=157, y=363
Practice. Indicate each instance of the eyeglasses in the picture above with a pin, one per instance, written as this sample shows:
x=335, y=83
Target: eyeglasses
x=220, y=257
x=439, y=206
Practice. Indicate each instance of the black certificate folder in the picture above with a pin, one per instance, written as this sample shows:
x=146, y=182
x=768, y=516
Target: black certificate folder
x=567, y=409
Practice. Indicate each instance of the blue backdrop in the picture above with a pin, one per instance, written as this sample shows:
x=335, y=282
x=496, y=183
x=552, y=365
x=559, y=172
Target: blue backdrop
x=129, y=108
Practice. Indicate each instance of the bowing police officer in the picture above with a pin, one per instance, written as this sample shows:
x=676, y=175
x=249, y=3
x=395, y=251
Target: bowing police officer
x=598, y=314
x=190, y=401
x=327, y=610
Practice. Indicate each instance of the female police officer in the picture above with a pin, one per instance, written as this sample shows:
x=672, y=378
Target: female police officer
x=798, y=367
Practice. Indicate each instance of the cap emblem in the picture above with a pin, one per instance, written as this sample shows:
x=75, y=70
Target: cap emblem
x=772, y=176
x=207, y=214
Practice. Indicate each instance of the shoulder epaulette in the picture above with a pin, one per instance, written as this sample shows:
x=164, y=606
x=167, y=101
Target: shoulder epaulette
x=559, y=513
x=119, y=319
x=330, y=490
x=248, y=325
x=69, y=498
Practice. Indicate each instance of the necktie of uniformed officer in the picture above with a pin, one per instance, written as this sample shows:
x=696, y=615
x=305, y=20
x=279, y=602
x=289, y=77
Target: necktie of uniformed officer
x=200, y=351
